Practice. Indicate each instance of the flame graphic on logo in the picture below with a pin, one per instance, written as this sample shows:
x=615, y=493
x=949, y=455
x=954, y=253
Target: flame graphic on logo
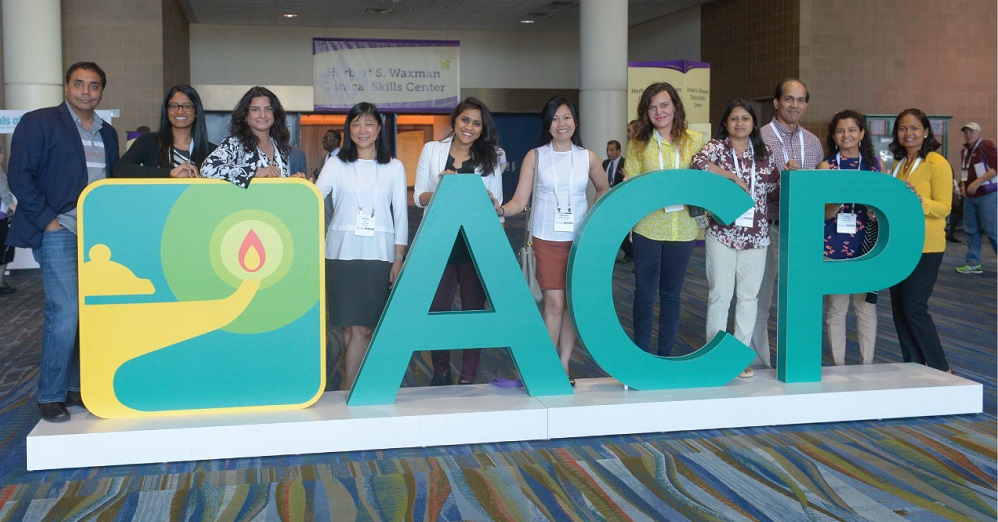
x=251, y=253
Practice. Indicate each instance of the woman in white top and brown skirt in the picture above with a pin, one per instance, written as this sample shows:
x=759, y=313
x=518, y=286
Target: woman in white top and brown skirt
x=564, y=168
x=368, y=233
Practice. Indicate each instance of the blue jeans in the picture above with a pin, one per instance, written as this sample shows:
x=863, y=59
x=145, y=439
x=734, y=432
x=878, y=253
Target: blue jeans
x=60, y=368
x=979, y=218
x=659, y=268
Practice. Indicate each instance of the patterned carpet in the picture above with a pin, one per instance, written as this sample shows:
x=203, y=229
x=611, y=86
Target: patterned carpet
x=941, y=468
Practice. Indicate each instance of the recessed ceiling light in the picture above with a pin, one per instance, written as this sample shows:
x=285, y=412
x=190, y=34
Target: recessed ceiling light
x=290, y=15
x=526, y=21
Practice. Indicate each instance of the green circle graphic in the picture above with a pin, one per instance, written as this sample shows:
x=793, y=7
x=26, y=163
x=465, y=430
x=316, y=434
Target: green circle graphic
x=204, y=235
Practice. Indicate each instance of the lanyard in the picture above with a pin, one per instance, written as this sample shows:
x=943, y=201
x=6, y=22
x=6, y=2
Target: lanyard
x=967, y=160
x=738, y=167
x=786, y=157
x=661, y=160
x=374, y=188
x=571, y=170
x=897, y=168
x=838, y=161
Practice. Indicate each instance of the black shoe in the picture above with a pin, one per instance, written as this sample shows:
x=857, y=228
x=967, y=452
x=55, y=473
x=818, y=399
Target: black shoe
x=571, y=380
x=441, y=379
x=7, y=289
x=53, y=412
x=953, y=239
x=74, y=398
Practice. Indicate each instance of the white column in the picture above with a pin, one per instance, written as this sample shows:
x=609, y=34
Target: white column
x=32, y=66
x=603, y=70
x=32, y=53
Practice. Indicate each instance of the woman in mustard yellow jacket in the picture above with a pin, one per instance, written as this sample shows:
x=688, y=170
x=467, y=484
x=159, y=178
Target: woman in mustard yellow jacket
x=931, y=178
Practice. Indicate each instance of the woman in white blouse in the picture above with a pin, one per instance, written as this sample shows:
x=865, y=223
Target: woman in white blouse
x=564, y=168
x=472, y=148
x=258, y=143
x=368, y=233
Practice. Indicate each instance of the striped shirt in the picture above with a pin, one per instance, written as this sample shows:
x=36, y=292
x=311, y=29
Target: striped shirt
x=96, y=158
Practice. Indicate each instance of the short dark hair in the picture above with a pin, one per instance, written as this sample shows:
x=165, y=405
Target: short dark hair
x=928, y=145
x=779, y=88
x=615, y=143
x=87, y=66
x=337, y=139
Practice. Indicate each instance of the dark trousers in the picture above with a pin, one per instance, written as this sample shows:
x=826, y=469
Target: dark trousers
x=910, y=303
x=659, y=268
x=955, y=217
x=626, y=246
x=472, y=298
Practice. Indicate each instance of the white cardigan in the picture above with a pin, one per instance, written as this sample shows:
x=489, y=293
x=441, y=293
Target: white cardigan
x=432, y=161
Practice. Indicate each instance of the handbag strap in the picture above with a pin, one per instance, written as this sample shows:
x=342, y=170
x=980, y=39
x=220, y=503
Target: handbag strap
x=527, y=234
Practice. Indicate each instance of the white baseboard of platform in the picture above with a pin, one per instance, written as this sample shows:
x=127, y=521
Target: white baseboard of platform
x=449, y=415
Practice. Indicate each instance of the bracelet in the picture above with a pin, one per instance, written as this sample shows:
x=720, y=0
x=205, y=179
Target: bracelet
x=502, y=211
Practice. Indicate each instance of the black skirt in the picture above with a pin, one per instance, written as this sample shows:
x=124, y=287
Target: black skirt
x=356, y=291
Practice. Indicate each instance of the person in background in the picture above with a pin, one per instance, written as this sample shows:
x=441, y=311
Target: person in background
x=178, y=147
x=296, y=160
x=613, y=164
x=850, y=231
x=560, y=169
x=55, y=153
x=979, y=188
x=258, y=144
x=471, y=148
x=7, y=207
x=736, y=253
x=663, y=240
x=793, y=148
x=931, y=179
x=368, y=234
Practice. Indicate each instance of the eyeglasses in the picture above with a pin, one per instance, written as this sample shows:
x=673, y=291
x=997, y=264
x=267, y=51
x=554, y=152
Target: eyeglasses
x=186, y=107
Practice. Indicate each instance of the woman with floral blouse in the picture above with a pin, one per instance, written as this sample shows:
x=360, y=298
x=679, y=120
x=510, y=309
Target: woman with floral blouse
x=258, y=144
x=736, y=253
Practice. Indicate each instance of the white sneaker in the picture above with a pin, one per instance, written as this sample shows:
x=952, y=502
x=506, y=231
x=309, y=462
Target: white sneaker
x=746, y=373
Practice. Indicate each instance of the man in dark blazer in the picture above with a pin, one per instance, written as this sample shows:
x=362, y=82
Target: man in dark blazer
x=613, y=165
x=55, y=153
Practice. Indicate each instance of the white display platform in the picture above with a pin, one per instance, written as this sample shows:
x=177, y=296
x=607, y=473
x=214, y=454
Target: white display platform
x=483, y=413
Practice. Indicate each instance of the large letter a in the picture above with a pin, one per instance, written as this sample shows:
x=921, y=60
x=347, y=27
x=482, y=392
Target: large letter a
x=460, y=202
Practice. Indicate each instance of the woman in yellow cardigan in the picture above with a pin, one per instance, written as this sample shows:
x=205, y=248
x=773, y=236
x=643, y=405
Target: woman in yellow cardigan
x=931, y=178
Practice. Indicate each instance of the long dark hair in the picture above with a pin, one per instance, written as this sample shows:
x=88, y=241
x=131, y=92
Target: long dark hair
x=278, y=131
x=759, y=146
x=866, y=153
x=930, y=144
x=348, y=151
x=484, y=151
x=547, y=116
x=199, y=133
x=645, y=127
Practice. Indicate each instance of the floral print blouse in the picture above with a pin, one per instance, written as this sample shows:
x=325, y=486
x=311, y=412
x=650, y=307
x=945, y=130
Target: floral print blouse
x=231, y=162
x=721, y=153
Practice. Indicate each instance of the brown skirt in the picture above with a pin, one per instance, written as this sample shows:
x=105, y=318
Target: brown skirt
x=552, y=263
